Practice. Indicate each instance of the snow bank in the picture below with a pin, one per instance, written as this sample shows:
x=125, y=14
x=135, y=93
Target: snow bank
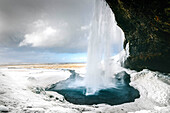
x=3, y=109
x=22, y=91
x=152, y=85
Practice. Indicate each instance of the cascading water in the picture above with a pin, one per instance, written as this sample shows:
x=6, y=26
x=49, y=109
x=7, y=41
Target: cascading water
x=104, y=33
x=99, y=82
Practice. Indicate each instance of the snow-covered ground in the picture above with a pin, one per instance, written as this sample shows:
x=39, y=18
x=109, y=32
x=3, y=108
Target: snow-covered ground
x=22, y=91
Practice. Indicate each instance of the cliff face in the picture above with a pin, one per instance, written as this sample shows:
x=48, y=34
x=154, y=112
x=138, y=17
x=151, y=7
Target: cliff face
x=146, y=24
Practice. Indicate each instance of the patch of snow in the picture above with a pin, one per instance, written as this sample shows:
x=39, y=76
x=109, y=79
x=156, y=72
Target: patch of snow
x=152, y=87
x=59, y=109
x=3, y=109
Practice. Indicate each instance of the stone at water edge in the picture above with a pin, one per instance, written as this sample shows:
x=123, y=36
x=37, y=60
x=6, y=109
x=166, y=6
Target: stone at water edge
x=3, y=109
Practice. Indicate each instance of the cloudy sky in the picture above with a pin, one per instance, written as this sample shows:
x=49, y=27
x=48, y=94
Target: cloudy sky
x=44, y=31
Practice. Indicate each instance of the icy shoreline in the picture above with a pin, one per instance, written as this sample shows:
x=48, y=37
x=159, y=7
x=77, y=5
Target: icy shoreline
x=22, y=91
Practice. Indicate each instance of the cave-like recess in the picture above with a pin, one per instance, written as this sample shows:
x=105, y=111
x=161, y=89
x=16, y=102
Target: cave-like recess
x=147, y=30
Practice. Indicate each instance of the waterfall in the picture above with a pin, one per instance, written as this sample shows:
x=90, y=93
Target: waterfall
x=104, y=33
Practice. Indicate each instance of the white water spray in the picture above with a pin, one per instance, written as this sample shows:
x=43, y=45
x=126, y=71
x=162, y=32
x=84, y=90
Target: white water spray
x=104, y=33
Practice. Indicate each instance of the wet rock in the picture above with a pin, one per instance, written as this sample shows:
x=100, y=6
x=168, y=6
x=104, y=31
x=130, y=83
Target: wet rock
x=38, y=90
x=123, y=76
x=74, y=75
x=29, y=106
x=55, y=96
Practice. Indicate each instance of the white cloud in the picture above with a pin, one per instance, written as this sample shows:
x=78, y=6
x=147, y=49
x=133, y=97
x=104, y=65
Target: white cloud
x=60, y=37
x=42, y=38
x=44, y=35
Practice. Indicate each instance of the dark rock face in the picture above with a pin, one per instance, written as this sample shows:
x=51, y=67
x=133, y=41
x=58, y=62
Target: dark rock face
x=146, y=24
